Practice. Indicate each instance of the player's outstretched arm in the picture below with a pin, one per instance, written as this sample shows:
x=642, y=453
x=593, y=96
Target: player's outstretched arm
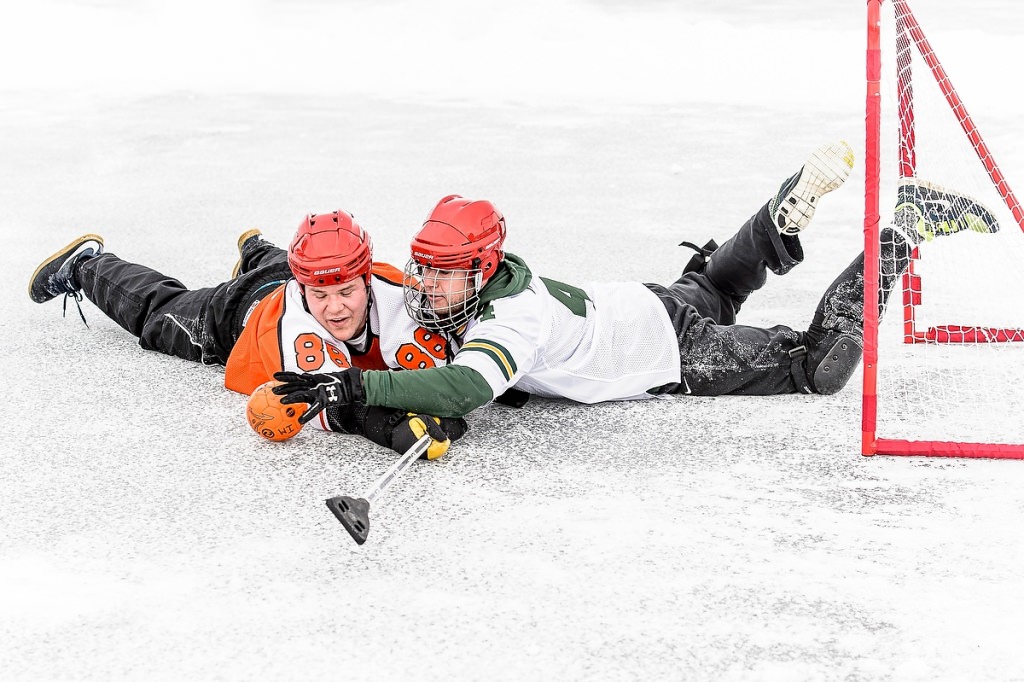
x=449, y=391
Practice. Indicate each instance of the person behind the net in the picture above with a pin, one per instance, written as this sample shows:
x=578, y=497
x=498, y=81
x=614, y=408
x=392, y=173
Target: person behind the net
x=321, y=305
x=510, y=329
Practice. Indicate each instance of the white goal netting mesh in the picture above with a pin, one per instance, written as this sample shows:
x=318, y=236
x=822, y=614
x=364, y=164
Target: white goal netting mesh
x=951, y=343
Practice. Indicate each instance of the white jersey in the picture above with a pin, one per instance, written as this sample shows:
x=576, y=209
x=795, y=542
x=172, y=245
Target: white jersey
x=403, y=343
x=396, y=342
x=606, y=341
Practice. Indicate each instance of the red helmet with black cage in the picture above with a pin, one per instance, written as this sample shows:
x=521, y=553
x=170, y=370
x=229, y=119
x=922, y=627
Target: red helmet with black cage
x=459, y=248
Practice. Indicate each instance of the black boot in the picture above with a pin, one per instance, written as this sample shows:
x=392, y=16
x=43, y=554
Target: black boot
x=246, y=242
x=56, y=274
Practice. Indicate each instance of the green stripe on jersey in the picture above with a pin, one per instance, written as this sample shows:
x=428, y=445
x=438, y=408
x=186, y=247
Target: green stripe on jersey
x=496, y=352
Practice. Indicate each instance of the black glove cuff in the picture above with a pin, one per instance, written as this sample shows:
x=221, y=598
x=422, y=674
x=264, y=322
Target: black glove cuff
x=347, y=418
x=355, y=376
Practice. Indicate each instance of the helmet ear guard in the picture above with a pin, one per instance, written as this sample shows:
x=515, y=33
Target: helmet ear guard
x=478, y=275
x=330, y=248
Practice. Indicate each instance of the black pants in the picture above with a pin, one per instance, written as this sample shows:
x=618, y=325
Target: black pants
x=720, y=357
x=199, y=324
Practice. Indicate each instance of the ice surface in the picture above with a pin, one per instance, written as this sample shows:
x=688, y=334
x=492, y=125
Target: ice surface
x=148, y=534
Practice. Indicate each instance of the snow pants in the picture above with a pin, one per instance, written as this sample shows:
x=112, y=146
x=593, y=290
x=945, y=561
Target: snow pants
x=201, y=325
x=720, y=357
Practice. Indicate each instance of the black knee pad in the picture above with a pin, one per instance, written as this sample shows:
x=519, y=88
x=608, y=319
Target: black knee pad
x=832, y=361
x=825, y=366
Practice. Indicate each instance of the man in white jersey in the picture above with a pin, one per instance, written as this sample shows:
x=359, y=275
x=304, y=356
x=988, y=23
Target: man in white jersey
x=510, y=330
x=321, y=305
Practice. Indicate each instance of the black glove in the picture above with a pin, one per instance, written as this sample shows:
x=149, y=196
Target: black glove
x=320, y=390
x=396, y=429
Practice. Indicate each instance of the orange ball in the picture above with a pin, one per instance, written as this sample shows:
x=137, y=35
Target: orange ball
x=269, y=418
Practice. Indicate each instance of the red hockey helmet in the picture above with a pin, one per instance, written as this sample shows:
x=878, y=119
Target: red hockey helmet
x=461, y=234
x=330, y=248
x=461, y=244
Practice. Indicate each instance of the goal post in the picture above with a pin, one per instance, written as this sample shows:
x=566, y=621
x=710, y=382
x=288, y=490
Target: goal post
x=944, y=365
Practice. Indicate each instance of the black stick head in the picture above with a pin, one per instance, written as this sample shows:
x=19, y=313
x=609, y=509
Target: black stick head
x=354, y=514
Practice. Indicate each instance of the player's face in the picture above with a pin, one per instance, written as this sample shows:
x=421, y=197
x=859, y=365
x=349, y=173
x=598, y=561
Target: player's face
x=340, y=308
x=447, y=290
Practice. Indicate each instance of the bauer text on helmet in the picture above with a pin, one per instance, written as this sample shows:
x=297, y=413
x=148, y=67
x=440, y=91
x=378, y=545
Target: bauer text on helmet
x=330, y=248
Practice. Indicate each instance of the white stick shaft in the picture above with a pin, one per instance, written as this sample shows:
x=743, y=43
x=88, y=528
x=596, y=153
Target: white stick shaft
x=396, y=469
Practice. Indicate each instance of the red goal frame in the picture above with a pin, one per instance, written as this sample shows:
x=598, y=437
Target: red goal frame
x=910, y=36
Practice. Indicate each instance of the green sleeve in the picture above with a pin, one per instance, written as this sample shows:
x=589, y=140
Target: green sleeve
x=449, y=391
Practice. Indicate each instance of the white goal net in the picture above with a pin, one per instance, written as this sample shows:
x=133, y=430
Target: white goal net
x=949, y=376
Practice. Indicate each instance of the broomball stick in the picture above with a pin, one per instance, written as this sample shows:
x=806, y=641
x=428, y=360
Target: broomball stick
x=354, y=512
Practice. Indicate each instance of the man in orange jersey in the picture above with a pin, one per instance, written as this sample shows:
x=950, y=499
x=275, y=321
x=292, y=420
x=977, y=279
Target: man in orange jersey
x=323, y=305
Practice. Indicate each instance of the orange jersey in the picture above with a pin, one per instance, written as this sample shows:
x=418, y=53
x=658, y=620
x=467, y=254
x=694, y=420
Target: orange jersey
x=280, y=335
x=256, y=355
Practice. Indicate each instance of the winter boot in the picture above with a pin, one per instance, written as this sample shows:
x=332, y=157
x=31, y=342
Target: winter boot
x=246, y=241
x=56, y=274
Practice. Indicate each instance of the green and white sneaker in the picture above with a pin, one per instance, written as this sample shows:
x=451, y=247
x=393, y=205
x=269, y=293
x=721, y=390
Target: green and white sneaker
x=825, y=170
x=925, y=210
